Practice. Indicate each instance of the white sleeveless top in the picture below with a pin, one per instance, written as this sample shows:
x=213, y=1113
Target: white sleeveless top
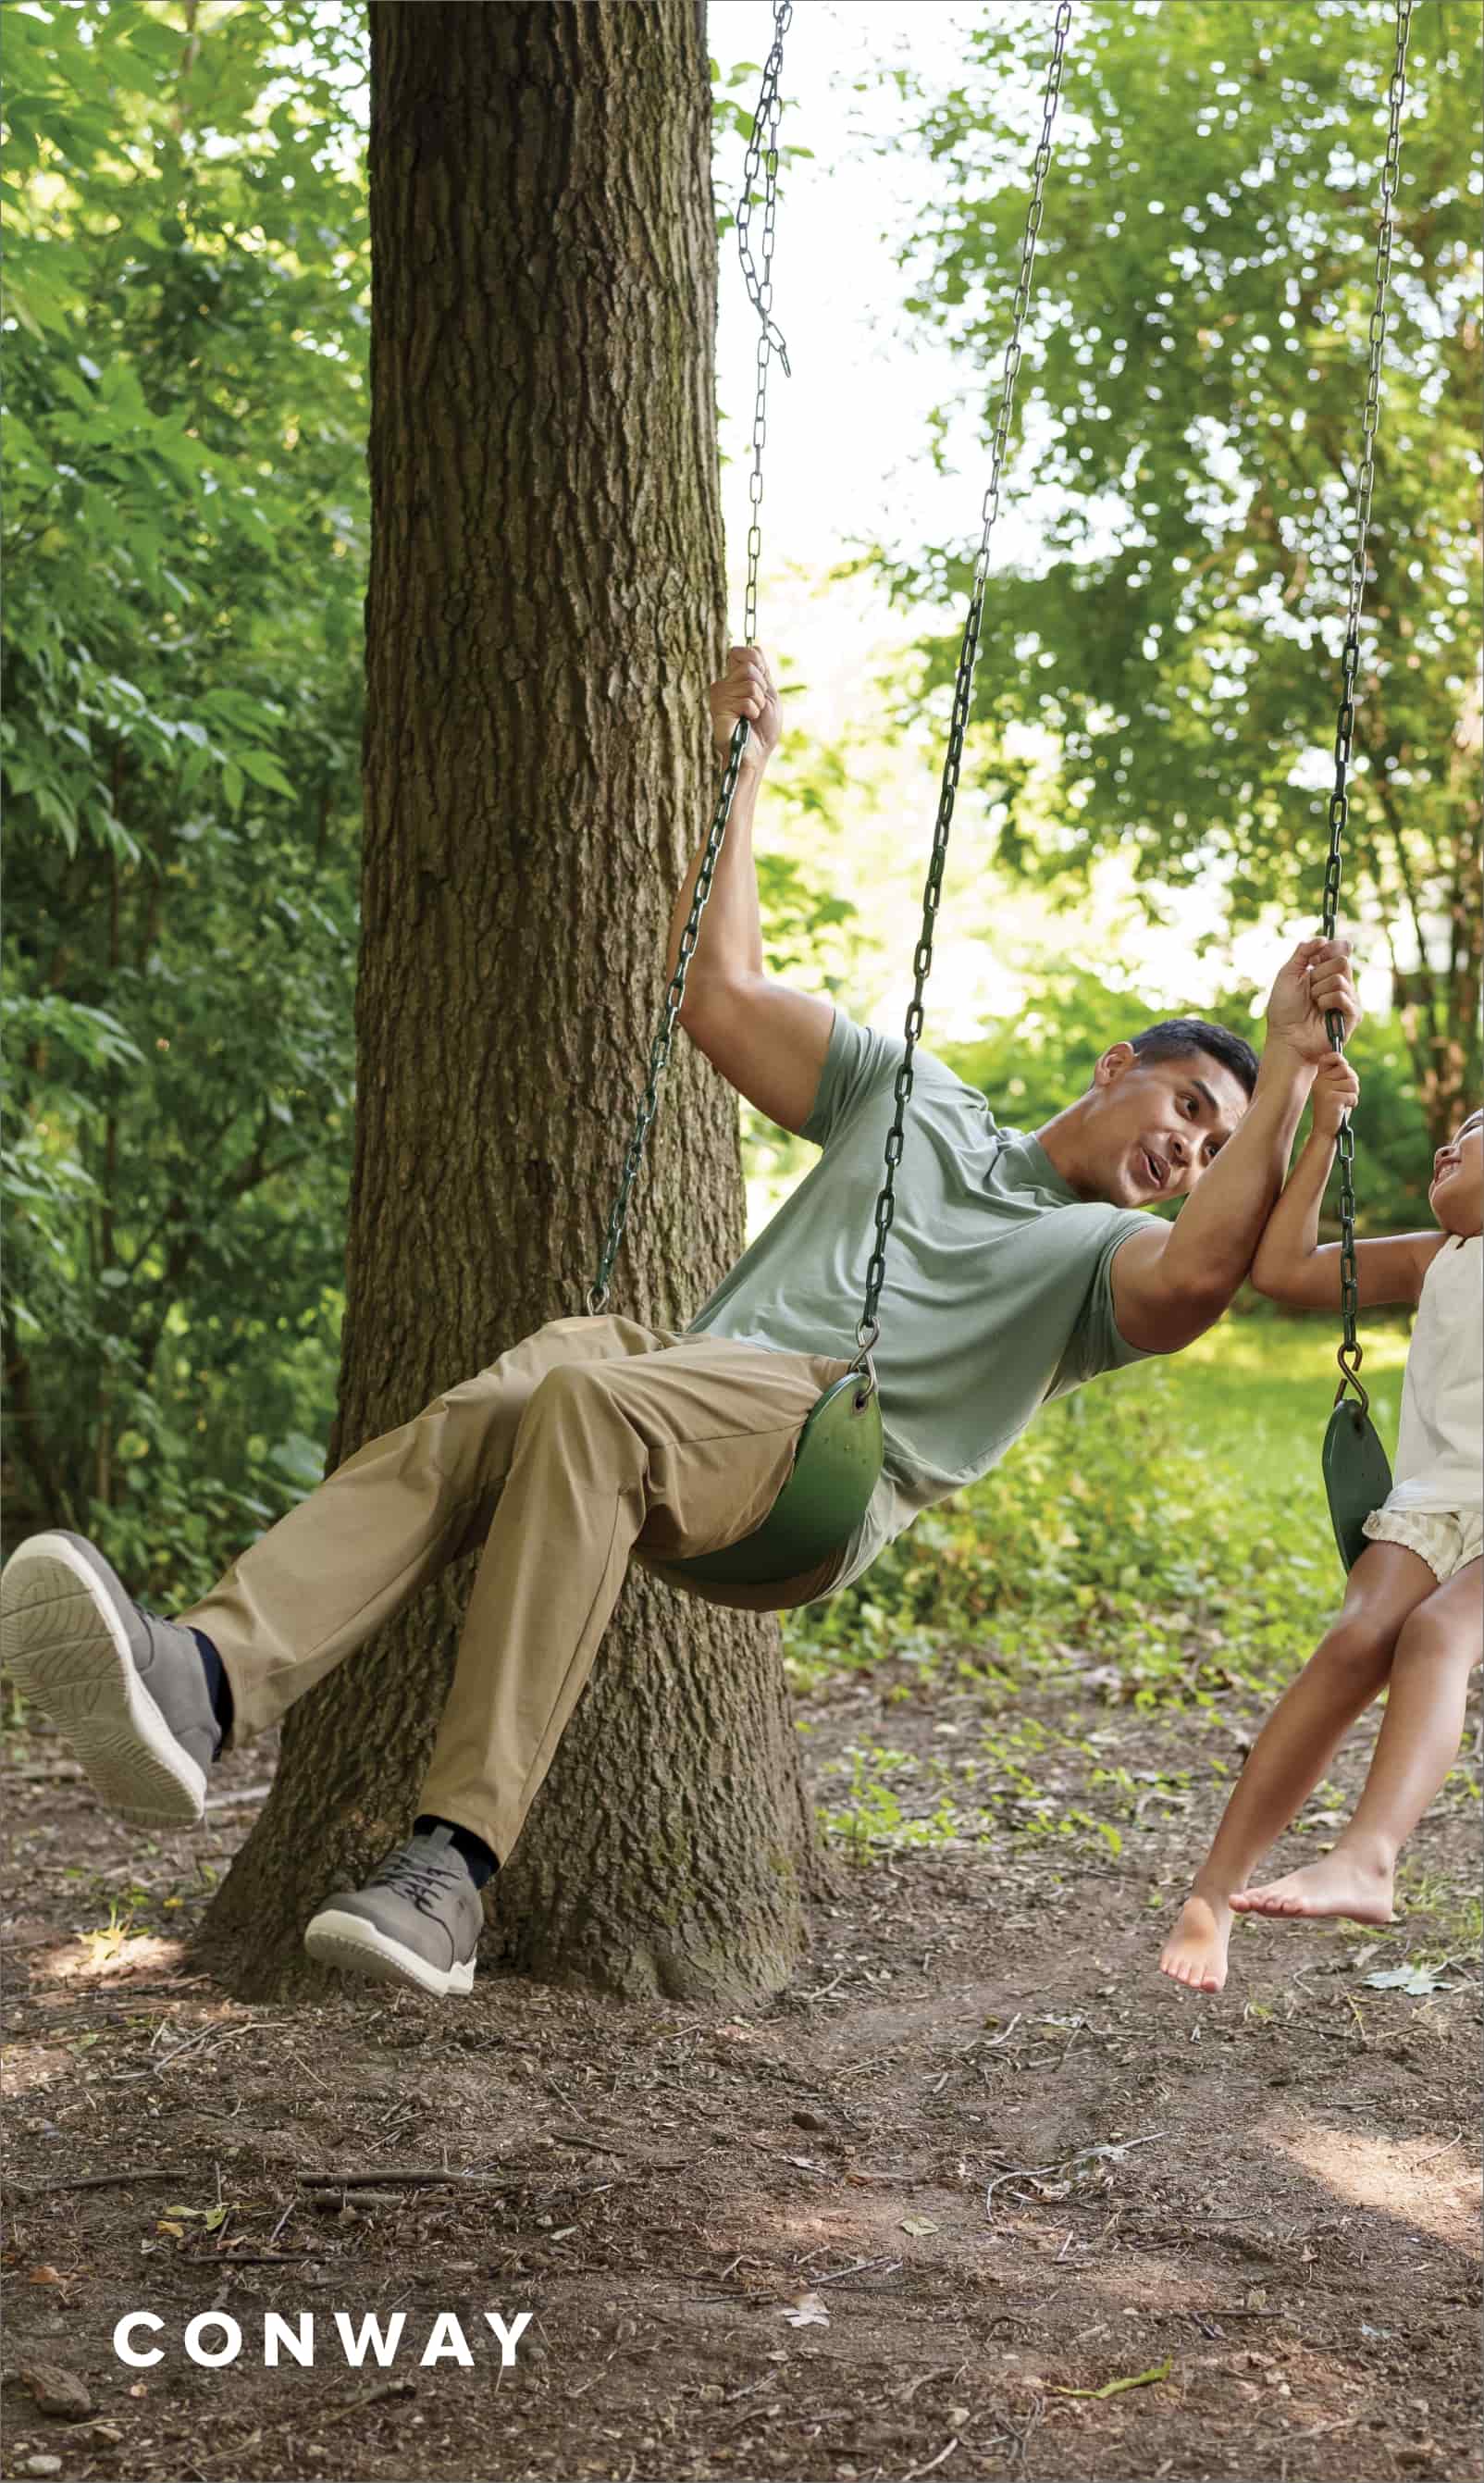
x=1440, y=1447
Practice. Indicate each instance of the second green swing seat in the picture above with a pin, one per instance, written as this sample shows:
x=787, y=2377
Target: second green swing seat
x=1357, y=1476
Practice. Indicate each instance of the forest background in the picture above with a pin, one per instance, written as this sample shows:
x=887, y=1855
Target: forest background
x=1143, y=825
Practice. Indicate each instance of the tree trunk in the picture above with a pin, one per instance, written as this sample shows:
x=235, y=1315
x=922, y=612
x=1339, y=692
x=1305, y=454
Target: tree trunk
x=545, y=606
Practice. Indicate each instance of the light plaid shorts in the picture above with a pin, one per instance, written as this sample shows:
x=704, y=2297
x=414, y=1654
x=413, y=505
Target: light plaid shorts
x=1448, y=1540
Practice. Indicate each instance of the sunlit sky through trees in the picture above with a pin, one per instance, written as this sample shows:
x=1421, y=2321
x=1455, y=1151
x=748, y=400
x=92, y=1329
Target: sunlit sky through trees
x=848, y=456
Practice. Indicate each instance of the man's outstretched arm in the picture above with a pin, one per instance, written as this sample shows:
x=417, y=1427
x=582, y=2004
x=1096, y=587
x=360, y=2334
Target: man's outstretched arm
x=767, y=1040
x=1172, y=1283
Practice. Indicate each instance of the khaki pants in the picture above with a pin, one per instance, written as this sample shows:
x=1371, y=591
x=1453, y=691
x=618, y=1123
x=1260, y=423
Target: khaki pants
x=592, y=1439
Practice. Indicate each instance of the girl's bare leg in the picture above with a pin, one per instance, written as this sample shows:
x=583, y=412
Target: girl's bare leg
x=1418, y=1743
x=1345, y=1672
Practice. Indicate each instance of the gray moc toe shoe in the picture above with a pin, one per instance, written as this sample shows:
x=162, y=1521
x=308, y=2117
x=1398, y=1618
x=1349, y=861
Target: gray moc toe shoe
x=126, y=1690
x=417, y=1921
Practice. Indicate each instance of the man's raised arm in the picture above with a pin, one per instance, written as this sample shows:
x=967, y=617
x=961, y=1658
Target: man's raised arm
x=768, y=1042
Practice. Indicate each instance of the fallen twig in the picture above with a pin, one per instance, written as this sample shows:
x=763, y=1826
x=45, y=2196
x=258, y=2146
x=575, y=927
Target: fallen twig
x=749, y=2391
x=924, y=2379
x=914, y=2470
x=1018, y=2173
x=278, y=2227
x=106, y=2180
x=371, y=2397
x=992, y=2044
x=310, y=2074
x=874, y=2061
x=210, y=2035
x=332, y=2202
x=412, y=2177
x=1111, y=2152
x=1418, y=2161
x=237, y=1800
x=858, y=2269
x=265, y=2258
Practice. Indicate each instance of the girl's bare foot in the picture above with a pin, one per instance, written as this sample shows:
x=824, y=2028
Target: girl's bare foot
x=1340, y=1884
x=1195, y=1950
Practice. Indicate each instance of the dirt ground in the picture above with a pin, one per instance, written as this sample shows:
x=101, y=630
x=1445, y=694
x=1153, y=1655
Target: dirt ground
x=980, y=2195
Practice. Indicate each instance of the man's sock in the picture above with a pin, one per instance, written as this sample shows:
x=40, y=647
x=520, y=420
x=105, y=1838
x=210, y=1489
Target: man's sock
x=472, y=1851
x=480, y=1863
x=218, y=1688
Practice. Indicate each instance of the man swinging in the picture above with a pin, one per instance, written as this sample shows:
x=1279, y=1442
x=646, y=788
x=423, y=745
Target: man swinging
x=1022, y=1266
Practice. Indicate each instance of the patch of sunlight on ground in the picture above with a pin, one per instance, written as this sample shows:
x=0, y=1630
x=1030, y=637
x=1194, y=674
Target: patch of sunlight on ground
x=108, y=1956
x=1422, y=2181
x=30, y=2065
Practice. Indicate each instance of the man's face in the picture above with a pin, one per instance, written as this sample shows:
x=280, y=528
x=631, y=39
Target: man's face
x=1456, y=1195
x=1159, y=1124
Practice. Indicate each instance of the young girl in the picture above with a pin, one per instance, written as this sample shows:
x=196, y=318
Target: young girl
x=1412, y=1621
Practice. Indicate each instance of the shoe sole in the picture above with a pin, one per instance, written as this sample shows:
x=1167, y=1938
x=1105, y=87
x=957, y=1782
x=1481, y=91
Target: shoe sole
x=355, y=1946
x=67, y=1649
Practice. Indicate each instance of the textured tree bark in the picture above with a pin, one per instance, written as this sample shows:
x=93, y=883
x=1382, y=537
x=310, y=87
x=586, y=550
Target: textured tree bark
x=546, y=603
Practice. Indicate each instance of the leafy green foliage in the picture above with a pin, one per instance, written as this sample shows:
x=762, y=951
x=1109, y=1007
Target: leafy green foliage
x=186, y=522
x=1192, y=423
x=186, y=529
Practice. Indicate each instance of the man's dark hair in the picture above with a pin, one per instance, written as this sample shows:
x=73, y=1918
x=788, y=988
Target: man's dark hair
x=1176, y=1039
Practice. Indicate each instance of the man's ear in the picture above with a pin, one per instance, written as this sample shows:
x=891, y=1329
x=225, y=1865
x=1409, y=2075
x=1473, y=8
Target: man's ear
x=1113, y=1063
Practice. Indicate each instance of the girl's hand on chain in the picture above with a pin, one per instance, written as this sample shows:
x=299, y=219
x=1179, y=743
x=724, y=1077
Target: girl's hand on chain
x=1335, y=1093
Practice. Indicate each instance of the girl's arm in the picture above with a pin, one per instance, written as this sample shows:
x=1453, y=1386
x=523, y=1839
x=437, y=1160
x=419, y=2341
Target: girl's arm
x=1291, y=1265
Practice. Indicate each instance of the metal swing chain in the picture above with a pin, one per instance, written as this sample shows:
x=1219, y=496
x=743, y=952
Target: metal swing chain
x=868, y=1328
x=1351, y=1352
x=761, y=154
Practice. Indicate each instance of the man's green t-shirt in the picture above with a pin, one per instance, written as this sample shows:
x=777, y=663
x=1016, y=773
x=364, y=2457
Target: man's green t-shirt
x=998, y=1289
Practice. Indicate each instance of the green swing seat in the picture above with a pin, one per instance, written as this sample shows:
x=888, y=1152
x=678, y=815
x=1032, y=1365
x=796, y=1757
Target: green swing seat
x=834, y=1470
x=1357, y=1476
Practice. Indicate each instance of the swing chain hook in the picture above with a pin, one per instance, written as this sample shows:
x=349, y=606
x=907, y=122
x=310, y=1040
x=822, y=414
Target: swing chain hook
x=867, y=1331
x=1349, y=1358
x=761, y=153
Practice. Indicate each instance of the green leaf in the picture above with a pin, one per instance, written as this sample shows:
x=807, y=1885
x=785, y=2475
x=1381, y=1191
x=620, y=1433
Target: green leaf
x=1417, y=1982
x=264, y=769
x=1116, y=2387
